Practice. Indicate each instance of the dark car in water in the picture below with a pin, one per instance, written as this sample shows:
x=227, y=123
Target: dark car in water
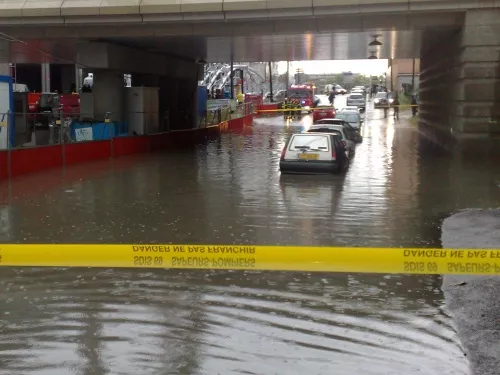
x=382, y=99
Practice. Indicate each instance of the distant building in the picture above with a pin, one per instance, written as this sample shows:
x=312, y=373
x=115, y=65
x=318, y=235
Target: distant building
x=400, y=72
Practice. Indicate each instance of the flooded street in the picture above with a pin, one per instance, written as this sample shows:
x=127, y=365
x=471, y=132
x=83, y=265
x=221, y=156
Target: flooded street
x=229, y=191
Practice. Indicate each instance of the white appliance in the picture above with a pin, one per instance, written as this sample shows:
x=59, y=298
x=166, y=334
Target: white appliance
x=142, y=110
x=5, y=107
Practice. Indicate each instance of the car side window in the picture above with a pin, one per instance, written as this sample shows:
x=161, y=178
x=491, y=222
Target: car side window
x=349, y=135
x=335, y=141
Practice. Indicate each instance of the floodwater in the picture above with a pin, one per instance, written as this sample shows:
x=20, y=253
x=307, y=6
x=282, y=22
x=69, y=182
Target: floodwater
x=229, y=191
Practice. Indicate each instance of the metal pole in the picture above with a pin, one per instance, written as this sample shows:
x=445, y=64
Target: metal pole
x=242, y=83
x=392, y=75
x=413, y=78
x=287, y=75
x=271, y=96
x=232, y=78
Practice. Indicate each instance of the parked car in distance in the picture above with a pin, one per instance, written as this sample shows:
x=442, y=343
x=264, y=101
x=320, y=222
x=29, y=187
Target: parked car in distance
x=353, y=118
x=314, y=153
x=339, y=90
x=356, y=100
x=381, y=100
x=349, y=108
x=346, y=136
x=359, y=89
x=322, y=108
x=353, y=133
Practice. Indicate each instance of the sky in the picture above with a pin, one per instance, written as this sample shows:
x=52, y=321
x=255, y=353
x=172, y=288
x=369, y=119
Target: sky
x=365, y=67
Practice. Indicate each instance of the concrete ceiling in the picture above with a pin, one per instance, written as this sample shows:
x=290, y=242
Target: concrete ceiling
x=318, y=38
x=308, y=46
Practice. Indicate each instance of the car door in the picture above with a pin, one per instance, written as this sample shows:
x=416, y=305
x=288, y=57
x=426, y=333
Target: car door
x=341, y=152
x=350, y=141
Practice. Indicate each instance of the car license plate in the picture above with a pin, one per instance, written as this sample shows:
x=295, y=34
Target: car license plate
x=308, y=156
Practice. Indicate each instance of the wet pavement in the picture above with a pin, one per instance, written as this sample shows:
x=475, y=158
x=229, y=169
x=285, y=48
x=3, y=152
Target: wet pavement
x=229, y=191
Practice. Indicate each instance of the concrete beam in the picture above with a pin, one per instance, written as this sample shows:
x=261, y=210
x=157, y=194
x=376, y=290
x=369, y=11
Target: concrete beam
x=103, y=55
x=35, y=12
x=460, y=78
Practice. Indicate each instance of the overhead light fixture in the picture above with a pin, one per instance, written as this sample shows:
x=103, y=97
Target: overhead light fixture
x=375, y=42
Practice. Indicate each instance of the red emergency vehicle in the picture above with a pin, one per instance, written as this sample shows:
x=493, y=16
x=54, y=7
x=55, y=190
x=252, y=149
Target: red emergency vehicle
x=304, y=93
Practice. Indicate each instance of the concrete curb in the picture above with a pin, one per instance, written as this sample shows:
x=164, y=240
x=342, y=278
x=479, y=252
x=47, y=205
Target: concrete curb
x=474, y=301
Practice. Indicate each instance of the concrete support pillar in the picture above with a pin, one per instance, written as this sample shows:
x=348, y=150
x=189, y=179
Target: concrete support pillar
x=68, y=78
x=477, y=89
x=437, y=79
x=78, y=78
x=108, y=93
x=460, y=77
x=45, y=77
x=4, y=57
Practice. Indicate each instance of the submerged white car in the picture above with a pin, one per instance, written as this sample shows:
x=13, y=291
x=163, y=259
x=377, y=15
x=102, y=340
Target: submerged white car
x=314, y=153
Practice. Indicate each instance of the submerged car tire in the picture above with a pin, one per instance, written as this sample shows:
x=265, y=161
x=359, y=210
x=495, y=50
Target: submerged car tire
x=345, y=167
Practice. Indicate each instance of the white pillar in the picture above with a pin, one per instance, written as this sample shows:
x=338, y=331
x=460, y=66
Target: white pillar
x=78, y=78
x=45, y=77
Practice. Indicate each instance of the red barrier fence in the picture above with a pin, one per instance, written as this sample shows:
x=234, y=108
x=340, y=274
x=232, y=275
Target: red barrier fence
x=29, y=160
x=4, y=164
x=35, y=159
x=75, y=153
x=131, y=145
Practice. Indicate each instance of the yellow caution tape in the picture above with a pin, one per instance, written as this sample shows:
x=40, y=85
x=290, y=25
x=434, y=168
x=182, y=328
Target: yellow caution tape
x=278, y=258
x=325, y=108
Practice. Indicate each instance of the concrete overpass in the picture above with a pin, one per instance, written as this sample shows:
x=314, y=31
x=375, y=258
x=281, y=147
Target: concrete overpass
x=458, y=42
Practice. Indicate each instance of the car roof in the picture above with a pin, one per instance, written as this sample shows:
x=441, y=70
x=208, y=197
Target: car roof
x=348, y=111
x=333, y=126
x=303, y=134
x=335, y=120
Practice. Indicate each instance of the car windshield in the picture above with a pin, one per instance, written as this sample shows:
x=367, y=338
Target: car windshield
x=325, y=130
x=299, y=94
x=381, y=95
x=308, y=142
x=356, y=96
x=348, y=117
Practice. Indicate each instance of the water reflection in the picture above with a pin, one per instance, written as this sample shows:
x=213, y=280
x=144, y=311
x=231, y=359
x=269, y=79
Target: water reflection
x=181, y=322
